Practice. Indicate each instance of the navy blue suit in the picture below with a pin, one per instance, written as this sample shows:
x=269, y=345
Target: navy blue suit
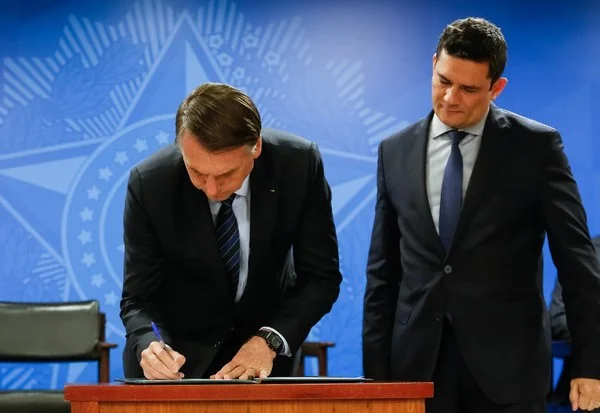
x=487, y=283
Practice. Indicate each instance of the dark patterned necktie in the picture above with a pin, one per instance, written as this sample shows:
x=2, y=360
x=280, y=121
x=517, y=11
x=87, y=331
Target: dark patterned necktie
x=228, y=240
x=452, y=194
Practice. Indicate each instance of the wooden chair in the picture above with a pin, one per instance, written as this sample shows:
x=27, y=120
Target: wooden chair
x=316, y=349
x=51, y=332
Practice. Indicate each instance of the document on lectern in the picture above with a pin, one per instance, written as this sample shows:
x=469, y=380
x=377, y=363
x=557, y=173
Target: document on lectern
x=280, y=380
x=313, y=379
x=186, y=381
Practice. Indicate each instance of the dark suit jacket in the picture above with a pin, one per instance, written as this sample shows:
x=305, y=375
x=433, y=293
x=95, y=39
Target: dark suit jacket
x=560, y=331
x=558, y=317
x=521, y=188
x=175, y=276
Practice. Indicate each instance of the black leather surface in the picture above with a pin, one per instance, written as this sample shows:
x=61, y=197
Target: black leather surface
x=49, y=331
x=33, y=402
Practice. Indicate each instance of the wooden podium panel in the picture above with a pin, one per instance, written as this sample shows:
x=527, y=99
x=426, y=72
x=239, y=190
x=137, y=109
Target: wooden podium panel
x=250, y=398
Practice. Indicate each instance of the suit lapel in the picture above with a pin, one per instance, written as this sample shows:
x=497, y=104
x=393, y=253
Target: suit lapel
x=418, y=162
x=263, y=215
x=485, y=173
x=197, y=216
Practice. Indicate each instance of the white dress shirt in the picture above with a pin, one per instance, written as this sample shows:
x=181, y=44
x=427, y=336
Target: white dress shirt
x=241, y=210
x=439, y=146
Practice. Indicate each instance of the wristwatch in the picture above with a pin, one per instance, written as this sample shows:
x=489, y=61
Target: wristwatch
x=273, y=340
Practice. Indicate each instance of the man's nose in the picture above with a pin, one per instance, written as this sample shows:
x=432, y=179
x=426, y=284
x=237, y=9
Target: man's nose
x=211, y=187
x=451, y=95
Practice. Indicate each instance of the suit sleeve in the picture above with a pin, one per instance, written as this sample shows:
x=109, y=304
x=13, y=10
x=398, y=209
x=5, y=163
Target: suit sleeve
x=316, y=261
x=574, y=257
x=558, y=318
x=383, y=279
x=143, y=270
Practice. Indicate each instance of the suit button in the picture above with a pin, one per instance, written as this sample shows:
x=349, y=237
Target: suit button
x=448, y=269
x=439, y=317
x=217, y=344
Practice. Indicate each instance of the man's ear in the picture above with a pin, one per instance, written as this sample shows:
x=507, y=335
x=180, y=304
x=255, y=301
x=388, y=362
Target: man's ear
x=498, y=87
x=257, y=149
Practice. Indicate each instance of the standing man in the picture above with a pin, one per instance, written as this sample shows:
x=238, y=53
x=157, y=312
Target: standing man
x=465, y=199
x=230, y=246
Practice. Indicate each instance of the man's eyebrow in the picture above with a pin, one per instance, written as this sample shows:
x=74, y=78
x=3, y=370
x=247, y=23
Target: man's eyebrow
x=445, y=79
x=222, y=174
x=227, y=172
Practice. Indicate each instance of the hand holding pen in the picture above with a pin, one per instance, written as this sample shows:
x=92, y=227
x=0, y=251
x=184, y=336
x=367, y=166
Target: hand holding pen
x=158, y=336
x=159, y=361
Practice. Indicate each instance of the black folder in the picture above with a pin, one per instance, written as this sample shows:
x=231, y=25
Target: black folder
x=280, y=380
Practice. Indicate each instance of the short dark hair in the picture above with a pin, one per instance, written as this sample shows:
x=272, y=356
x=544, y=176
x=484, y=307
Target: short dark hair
x=219, y=116
x=475, y=39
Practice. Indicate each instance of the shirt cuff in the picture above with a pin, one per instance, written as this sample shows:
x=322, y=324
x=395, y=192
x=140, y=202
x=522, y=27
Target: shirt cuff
x=286, y=349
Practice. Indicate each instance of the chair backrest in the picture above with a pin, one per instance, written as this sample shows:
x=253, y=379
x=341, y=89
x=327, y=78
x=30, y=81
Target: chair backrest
x=69, y=331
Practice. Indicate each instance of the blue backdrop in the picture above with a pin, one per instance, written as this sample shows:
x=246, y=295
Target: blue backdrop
x=88, y=90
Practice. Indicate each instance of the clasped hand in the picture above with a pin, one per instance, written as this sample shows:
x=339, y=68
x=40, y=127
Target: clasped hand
x=585, y=394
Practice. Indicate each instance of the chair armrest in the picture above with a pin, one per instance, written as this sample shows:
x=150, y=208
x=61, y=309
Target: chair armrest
x=314, y=347
x=104, y=345
x=318, y=344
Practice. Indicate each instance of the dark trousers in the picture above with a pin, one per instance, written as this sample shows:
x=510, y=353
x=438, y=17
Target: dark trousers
x=456, y=391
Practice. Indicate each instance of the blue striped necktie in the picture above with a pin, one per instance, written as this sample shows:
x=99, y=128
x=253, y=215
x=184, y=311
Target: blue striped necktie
x=452, y=193
x=228, y=240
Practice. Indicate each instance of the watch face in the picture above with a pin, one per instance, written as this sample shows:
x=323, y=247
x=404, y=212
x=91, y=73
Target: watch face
x=276, y=341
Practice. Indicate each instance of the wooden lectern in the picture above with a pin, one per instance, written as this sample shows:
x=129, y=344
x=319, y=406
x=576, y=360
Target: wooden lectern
x=250, y=398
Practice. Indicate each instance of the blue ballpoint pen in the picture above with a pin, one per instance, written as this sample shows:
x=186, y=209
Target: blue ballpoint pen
x=157, y=332
x=160, y=339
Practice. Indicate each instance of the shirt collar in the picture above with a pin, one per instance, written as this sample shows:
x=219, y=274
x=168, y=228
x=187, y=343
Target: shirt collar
x=438, y=128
